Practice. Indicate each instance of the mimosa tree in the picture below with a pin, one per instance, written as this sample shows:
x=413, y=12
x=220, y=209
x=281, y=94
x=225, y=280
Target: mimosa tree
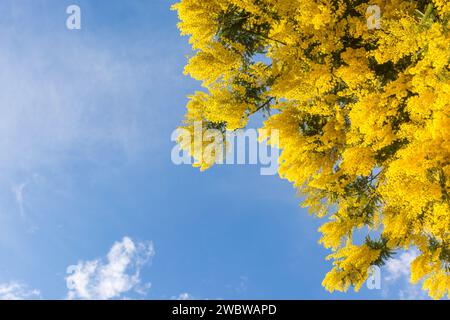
x=361, y=104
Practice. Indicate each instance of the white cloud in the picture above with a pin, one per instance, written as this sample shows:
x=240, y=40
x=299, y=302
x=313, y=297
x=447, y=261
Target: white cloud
x=183, y=296
x=99, y=279
x=18, y=291
x=400, y=267
x=398, y=273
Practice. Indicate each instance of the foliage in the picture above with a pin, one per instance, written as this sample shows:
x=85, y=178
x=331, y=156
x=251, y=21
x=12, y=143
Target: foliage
x=363, y=116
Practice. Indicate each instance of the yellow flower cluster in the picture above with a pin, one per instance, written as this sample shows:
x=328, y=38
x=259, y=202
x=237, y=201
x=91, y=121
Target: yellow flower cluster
x=363, y=116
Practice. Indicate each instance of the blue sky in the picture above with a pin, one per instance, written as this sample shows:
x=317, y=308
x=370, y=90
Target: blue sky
x=85, y=170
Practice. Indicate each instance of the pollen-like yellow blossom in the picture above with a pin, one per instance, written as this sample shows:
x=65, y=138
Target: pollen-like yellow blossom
x=363, y=116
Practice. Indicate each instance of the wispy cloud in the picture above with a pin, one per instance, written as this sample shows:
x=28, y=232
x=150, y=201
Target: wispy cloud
x=398, y=274
x=67, y=95
x=412, y=292
x=18, y=291
x=109, y=278
x=18, y=192
x=22, y=193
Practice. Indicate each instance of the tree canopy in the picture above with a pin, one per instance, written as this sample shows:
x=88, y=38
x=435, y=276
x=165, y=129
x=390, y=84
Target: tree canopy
x=362, y=113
